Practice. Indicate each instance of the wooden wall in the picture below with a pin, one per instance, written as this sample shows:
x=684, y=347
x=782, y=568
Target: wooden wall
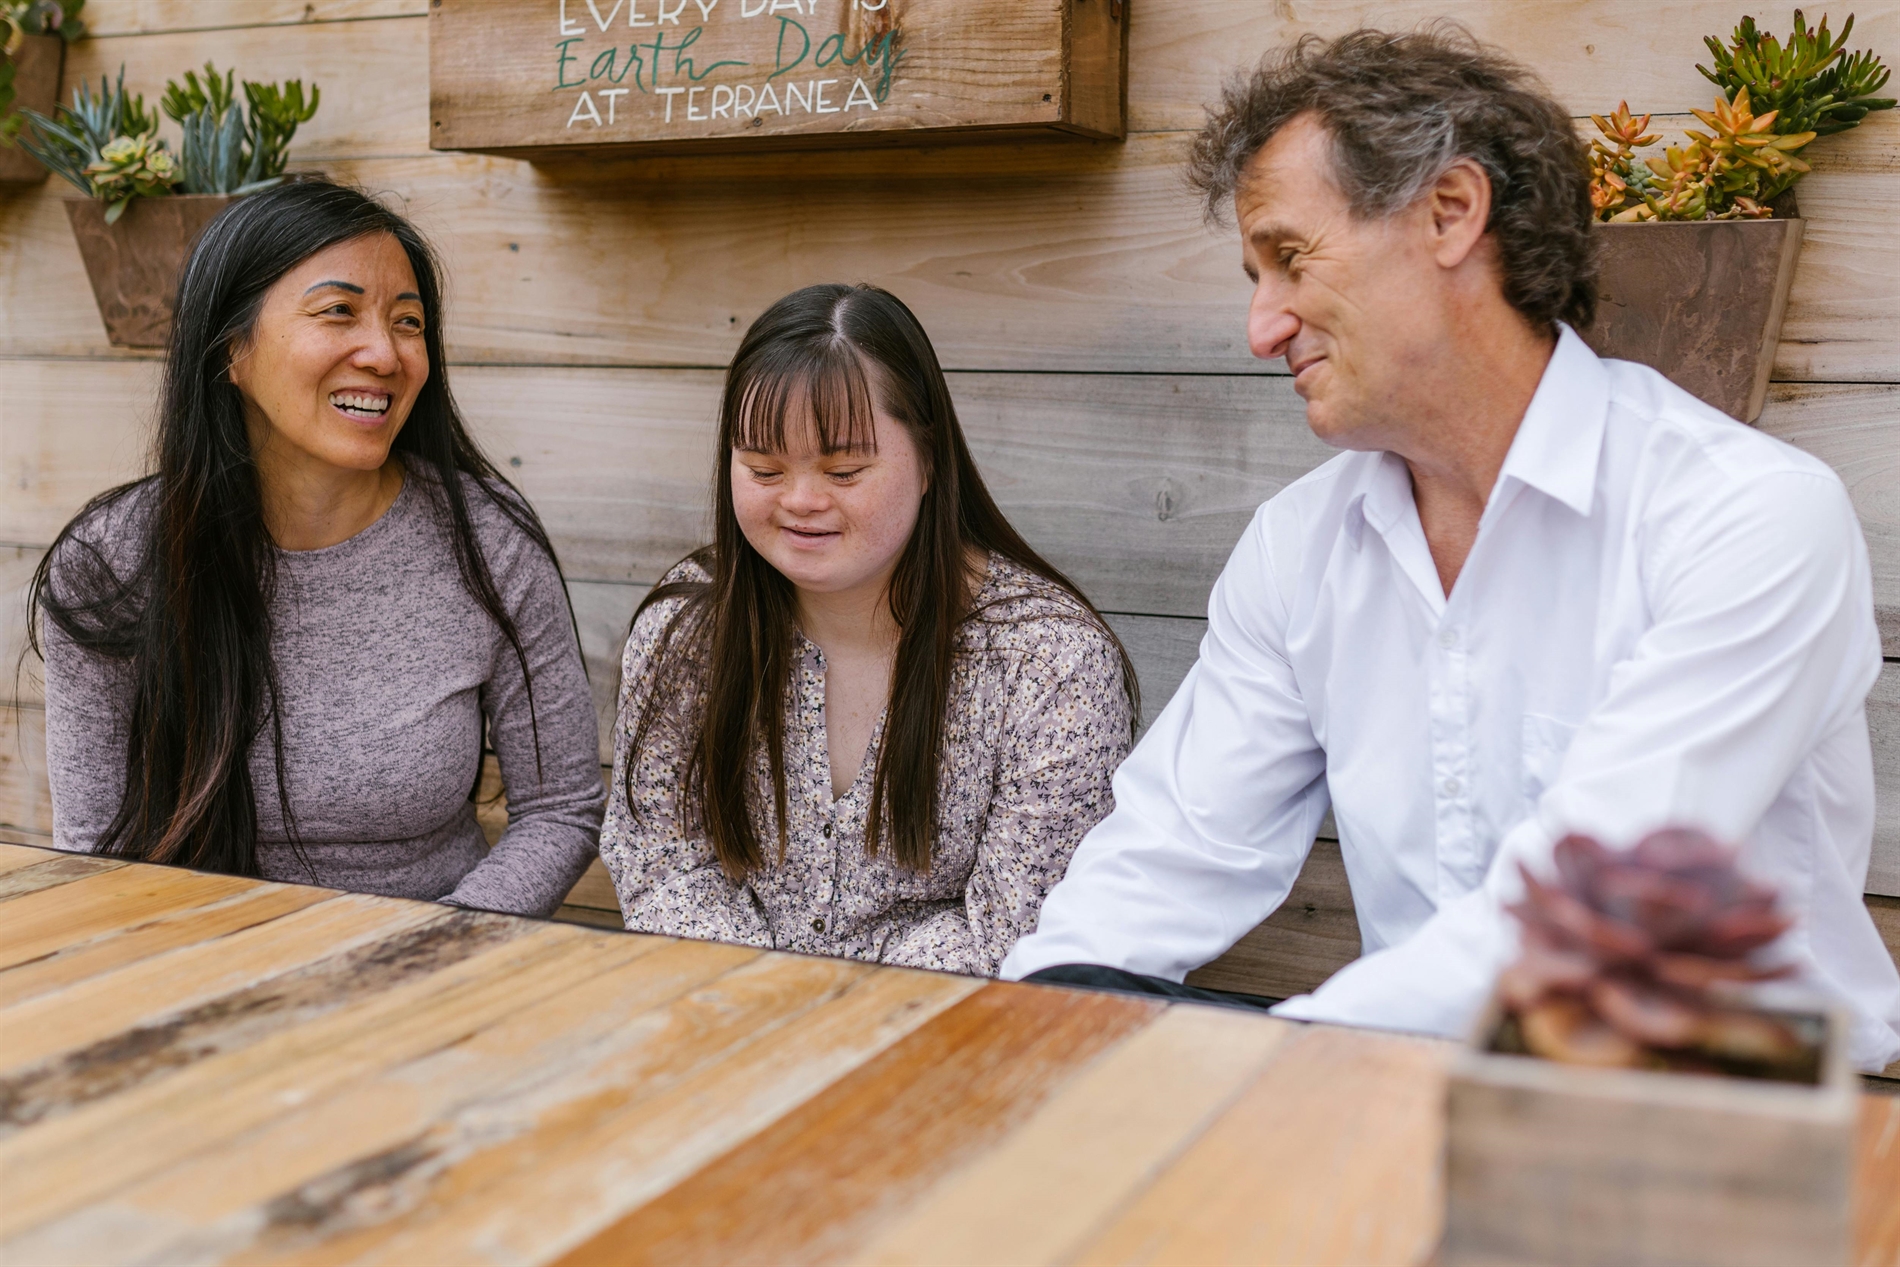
x=1094, y=328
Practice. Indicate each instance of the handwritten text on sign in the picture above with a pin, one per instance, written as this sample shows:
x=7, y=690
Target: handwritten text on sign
x=653, y=61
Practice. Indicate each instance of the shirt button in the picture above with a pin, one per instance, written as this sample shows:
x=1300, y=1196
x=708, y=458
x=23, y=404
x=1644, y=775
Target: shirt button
x=1451, y=787
x=1448, y=638
x=826, y=829
x=818, y=926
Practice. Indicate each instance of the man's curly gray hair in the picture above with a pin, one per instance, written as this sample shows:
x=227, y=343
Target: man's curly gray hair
x=1400, y=109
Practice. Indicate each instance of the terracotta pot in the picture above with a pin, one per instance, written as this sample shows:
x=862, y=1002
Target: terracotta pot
x=1702, y=301
x=36, y=67
x=1568, y=1164
x=134, y=264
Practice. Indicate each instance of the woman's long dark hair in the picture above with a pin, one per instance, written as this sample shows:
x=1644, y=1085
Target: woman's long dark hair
x=725, y=658
x=188, y=612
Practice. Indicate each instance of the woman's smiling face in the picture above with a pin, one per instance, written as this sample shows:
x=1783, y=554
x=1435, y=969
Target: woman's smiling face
x=337, y=358
x=831, y=522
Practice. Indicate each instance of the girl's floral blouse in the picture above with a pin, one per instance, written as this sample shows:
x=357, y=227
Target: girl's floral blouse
x=1037, y=722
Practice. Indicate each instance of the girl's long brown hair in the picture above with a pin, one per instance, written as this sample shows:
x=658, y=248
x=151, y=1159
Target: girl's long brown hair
x=724, y=661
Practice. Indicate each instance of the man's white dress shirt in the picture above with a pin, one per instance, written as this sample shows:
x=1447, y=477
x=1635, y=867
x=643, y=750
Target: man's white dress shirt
x=1666, y=619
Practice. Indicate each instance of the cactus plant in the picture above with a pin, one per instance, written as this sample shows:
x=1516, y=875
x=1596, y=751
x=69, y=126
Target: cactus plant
x=1775, y=99
x=1636, y=959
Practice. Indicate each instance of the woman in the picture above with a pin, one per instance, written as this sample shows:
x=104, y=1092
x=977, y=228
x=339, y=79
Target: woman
x=867, y=720
x=277, y=655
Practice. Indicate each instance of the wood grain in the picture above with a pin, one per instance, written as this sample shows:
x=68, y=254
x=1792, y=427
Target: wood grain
x=54, y=871
x=139, y=17
x=1883, y=725
x=801, y=1190
x=52, y=920
x=1141, y=516
x=152, y=990
x=1041, y=258
x=374, y=75
x=1072, y=1166
x=1877, y=1183
x=188, y=927
x=26, y=799
x=73, y=1158
x=19, y=670
x=760, y=1043
x=362, y=1157
x=1314, y=934
x=1349, y=1123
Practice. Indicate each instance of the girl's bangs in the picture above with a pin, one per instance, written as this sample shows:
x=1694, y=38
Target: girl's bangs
x=825, y=388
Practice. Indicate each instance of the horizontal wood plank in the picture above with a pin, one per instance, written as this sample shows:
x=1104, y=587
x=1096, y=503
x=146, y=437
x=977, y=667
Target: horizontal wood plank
x=1068, y=258
x=808, y=1187
x=111, y=902
x=1181, y=50
x=1588, y=54
x=188, y=927
x=153, y=990
x=758, y=1044
x=302, y=1176
x=1883, y=725
x=1354, y=1123
x=144, y=17
x=374, y=76
x=1137, y=487
x=26, y=799
x=1072, y=1167
x=72, y=1159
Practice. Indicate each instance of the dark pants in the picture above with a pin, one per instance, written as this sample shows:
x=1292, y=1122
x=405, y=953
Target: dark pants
x=1094, y=976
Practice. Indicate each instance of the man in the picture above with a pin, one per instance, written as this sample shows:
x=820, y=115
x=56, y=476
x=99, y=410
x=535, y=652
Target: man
x=1541, y=593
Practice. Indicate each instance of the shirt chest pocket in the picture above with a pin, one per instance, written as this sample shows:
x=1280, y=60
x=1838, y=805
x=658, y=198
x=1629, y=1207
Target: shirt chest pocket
x=1544, y=743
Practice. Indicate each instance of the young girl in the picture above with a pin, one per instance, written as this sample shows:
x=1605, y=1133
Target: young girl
x=867, y=720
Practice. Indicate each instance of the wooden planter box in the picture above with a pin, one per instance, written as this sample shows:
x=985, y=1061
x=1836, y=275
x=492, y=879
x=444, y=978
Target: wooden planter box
x=37, y=65
x=566, y=77
x=134, y=264
x=1702, y=301
x=1560, y=1164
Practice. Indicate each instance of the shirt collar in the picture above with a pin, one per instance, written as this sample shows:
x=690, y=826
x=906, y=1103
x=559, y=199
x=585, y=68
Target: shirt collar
x=1561, y=438
x=1555, y=450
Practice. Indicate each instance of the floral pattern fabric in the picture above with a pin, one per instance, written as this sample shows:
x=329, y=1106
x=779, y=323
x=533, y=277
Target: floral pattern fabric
x=1036, y=724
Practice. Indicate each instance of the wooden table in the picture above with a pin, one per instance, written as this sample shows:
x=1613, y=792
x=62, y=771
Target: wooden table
x=199, y=1068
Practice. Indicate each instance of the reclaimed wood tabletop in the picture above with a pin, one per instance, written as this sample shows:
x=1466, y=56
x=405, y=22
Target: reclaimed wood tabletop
x=200, y=1068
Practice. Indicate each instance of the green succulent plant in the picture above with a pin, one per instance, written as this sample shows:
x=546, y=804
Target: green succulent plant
x=132, y=167
x=1810, y=83
x=106, y=144
x=75, y=137
x=233, y=149
x=1776, y=97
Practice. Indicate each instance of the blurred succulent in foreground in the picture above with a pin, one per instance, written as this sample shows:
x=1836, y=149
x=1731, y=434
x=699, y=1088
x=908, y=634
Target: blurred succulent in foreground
x=132, y=167
x=1634, y=959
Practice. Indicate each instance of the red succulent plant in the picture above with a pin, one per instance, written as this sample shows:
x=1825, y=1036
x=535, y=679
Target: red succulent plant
x=1633, y=958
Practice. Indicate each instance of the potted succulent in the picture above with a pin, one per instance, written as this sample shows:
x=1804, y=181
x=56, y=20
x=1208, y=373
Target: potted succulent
x=33, y=39
x=145, y=205
x=1636, y=1093
x=1698, y=243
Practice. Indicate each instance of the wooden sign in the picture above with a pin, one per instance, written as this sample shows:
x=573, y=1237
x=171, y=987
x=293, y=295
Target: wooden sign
x=544, y=77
